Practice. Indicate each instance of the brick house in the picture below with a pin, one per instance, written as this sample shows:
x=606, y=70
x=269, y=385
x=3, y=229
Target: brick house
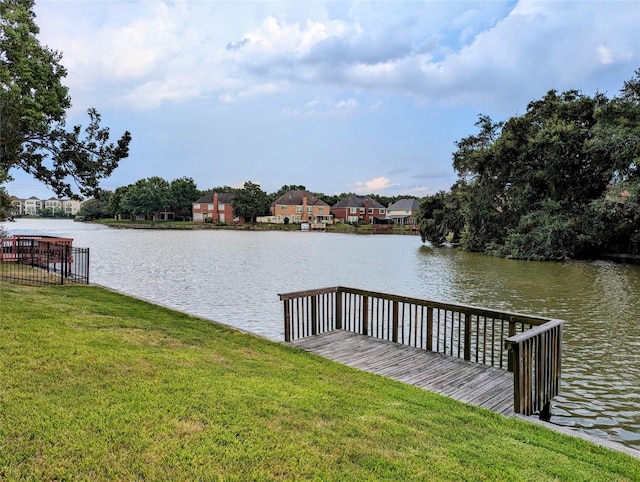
x=217, y=206
x=300, y=207
x=353, y=208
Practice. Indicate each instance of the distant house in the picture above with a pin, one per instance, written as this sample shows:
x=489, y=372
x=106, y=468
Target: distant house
x=53, y=204
x=404, y=211
x=70, y=206
x=17, y=206
x=353, y=208
x=32, y=206
x=298, y=206
x=216, y=207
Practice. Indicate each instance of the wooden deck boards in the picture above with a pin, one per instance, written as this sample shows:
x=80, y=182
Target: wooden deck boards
x=473, y=383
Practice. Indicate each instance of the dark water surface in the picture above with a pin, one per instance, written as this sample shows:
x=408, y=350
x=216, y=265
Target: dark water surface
x=235, y=276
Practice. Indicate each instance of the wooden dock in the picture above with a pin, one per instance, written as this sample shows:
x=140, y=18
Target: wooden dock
x=504, y=361
x=473, y=383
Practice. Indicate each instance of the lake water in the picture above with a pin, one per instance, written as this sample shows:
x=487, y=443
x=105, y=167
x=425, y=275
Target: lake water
x=234, y=277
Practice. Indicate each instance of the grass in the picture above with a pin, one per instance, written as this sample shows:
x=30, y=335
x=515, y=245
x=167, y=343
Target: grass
x=339, y=227
x=99, y=386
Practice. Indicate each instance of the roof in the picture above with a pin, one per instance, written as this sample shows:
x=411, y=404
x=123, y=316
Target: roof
x=408, y=204
x=223, y=197
x=353, y=201
x=296, y=198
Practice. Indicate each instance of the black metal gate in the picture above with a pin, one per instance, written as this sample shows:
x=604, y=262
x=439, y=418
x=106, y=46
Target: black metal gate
x=43, y=261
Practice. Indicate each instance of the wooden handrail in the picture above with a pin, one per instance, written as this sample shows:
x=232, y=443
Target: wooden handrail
x=530, y=346
x=482, y=311
x=536, y=358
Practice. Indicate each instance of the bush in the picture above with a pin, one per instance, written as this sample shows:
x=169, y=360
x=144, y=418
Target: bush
x=544, y=234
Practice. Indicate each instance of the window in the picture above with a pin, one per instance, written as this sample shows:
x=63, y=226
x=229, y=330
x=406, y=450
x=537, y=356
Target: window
x=370, y=210
x=361, y=210
x=221, y=206
x=353, y=210
x=283, y=208
x=196, y=206
x=321, y=209
x=381, y=211
x=309, y=209
x=298, y=209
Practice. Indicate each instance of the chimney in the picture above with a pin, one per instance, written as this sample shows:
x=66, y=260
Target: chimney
x=305, y=216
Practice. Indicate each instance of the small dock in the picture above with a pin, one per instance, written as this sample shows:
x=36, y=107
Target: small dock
x=476, y=384
x=507, y=362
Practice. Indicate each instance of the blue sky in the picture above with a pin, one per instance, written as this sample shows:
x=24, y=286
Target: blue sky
x=365, y=97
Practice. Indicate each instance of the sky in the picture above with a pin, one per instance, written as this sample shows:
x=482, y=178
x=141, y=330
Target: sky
x=364, y=97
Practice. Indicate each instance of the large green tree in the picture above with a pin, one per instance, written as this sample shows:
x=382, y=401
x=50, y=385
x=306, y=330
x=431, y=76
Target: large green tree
x=439, y=216
x=97, y=207
x=251, y=201
x=529, y=182
x=33, y=107
x=147, y=196
x=558, y=181
x=5, y=203
x=184, y=192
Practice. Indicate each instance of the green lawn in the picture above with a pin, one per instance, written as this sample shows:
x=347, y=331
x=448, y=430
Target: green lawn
x=98, y=386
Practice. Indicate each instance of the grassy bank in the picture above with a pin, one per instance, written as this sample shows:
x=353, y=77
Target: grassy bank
x=99, y=386
x=333, y=228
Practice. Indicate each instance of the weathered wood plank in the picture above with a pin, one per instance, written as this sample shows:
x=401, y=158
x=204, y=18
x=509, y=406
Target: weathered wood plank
x=469, y=382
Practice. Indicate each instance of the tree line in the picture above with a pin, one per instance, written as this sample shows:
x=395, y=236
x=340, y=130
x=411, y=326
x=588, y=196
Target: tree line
x=156, y=195
x=560, y=181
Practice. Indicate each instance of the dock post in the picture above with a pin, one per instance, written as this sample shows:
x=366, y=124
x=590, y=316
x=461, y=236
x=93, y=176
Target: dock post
x=467, y=336
x=395, y=322
x=338, y=309
x=365, y=315
x=430, y=328
x=314, y=315
x=545, y=413
x=512, y=332
x=287, y=321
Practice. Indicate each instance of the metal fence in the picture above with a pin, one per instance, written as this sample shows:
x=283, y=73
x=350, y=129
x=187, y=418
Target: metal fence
x=43, y=260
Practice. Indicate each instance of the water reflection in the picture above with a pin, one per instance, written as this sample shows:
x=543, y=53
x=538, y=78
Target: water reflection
x=234, y=277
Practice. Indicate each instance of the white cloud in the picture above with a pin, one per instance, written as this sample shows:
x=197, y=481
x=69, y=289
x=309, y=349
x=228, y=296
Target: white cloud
x=324, y=108
x=240, y=184
x=155, y=52
x=604, y=54
x=347, y=104
x=418, y=191
x=225, y=98
x=372, y=186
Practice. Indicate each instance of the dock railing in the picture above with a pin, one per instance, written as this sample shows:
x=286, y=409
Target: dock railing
x=529, y=346
x=43, y=260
